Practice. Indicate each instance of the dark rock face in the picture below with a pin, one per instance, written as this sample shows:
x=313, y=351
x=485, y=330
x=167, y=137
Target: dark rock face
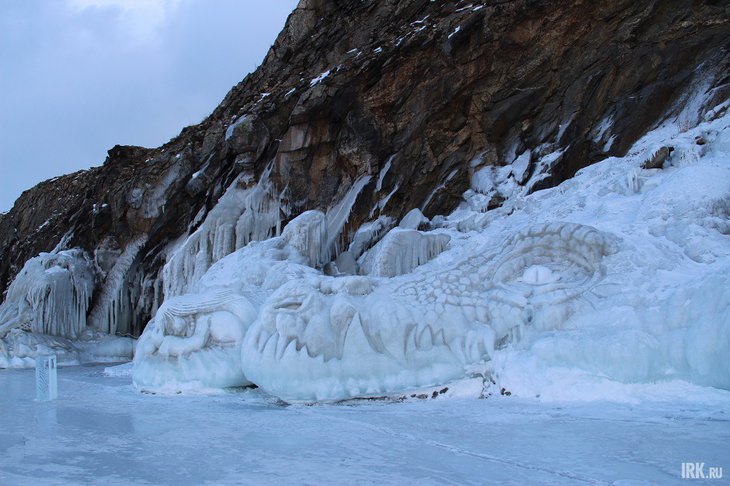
x=432, y=89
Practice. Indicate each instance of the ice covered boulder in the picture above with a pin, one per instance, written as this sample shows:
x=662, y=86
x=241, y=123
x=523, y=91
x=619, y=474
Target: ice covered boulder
x=50, y=295
x=413, y=219
x=194, y=341
x=369, y=234
x=400, y=251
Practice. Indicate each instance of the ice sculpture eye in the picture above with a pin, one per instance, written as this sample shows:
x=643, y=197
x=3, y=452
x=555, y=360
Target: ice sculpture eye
x=551, y=257
x=543, y=270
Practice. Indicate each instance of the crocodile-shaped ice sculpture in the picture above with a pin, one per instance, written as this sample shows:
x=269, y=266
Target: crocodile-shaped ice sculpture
x=324, y=338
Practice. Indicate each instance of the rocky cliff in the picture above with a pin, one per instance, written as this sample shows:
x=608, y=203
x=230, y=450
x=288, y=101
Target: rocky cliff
x=402, y=100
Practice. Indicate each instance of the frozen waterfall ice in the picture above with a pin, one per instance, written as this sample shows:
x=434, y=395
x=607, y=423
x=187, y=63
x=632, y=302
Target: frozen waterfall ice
x=45, y=312
x=50, y=295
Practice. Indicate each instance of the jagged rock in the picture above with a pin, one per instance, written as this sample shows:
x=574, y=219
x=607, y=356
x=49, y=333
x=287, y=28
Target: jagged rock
x=657, y=160
x=406, y=91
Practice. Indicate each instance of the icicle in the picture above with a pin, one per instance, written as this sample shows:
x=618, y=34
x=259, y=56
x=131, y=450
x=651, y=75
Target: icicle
x=400, y=251
x=242, y=215
x=339, y=214
x=308, y=234
x=112, y=313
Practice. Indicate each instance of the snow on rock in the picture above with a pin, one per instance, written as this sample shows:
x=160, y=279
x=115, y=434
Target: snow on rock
x=194, y=339
x=402, y=250
x=315, y=81
x=50, y=295
x=242, y=120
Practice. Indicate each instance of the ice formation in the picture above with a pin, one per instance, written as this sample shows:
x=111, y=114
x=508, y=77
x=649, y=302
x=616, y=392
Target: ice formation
x=413, y=219
x=113, y=313
x=243, y=214
x=45, y=312
x=338, y=215
x=400, y=251
x=194, y=339
x=369, y=234
x=19, y=349
x=335, y=338
x=50, y=295
x=618, y=275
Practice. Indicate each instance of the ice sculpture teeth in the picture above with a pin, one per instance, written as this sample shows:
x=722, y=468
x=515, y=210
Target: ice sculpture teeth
x=341, y=342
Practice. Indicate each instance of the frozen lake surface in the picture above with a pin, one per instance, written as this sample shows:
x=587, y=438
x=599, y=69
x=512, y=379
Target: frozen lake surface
x=102, y=431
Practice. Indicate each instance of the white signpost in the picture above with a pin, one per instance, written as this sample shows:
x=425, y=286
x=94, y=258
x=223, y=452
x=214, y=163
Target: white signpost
x=46, y=380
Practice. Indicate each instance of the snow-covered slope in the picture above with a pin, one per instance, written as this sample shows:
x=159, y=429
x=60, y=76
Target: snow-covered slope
x=617, y=277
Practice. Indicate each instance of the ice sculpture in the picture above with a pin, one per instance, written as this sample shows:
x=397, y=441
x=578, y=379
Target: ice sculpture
x=194, y=339
x=336, y=338
x=46, y=378
x=328, y=339
x=50, y=295
x=542, y=273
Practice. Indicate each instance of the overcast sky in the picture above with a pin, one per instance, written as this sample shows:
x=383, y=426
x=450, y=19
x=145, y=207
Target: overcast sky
x=79, y=76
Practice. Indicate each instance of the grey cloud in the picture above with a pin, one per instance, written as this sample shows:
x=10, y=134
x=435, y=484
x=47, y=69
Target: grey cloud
x=74, y=83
